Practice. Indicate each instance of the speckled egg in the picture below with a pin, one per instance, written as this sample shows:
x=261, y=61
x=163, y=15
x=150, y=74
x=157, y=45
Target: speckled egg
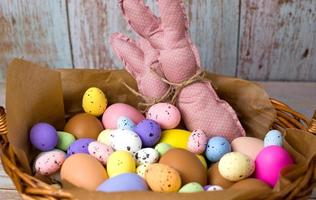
x=149, y=132
x=79, y=146
x=191, y=187
x=197, y=141
x=94, y=101
x=162, y=178
x=49, y=162
x=216, y=148
x=125, y=123
x=162, y=148
x=146, y=156
x=273, y=137
x=64, y=140
x=125, y=140
x=120, y=162
x=100, y=151
x=141, y=170
x=104, y=136
x=166, y=115
x=236, y=166
x=212, y=188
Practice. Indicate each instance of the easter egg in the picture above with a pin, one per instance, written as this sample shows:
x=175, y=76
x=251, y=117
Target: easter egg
x=146, y=156
x=162, y=178
x=166, y=115
x=94, y=101
x=203, y=161
x=120, y=162
x=148, y=131
x=64, y=140
x=117, y=110
x=197, y=141
x=83, y=170
x=273, y=137
x=187, y=164
x=126, y=140
x=191, y=187
x=215, y=178
x=214, y=188
x=175, y=137
x=100, y=151
x=249, y=146
x=123, y=183
x=162, y=148
x=141, y=170
x=49, y=162
x=235, y=166
x=84, y=125
x=43, y=136
x=250, y=184
x=216, y=148
x=79, y=146
x=270, y=162
x=104, y=136
x=125, y=123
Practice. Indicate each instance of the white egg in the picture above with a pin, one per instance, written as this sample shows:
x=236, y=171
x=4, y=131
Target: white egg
x=214, y=188
x=146, y=156
x=125, y=140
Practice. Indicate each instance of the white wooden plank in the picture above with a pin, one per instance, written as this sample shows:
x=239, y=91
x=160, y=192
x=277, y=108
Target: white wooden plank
x=5, y=181
x=9, y=195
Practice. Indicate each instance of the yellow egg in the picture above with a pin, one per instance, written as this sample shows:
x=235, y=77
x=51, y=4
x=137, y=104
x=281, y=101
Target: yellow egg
x=104, y=136
x=120, y=162
x=141, y=169
x=94, y=101
x=203, y=161
x=175, y=137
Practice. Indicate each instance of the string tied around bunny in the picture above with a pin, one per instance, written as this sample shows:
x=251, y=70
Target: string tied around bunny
x=170, y=95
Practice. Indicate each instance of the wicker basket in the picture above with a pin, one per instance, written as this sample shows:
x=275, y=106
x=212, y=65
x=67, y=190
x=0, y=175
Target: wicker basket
x=32, y=188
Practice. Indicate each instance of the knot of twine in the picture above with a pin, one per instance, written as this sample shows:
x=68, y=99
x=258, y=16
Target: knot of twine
x=170, y=95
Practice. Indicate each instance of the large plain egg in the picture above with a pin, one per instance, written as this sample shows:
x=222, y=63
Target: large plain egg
x=215, y=178
x=249, y=146
x=177, y=138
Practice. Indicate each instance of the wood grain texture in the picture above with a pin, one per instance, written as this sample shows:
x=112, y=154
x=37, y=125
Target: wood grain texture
x=278, y=40
x=35, y=30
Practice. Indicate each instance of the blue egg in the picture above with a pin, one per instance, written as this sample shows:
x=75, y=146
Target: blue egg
x=216, y=148
x=273, y=137
x=125, y=123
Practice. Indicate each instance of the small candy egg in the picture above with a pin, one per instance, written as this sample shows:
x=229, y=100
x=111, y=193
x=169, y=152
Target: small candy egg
x=123, y=183
x=167, y=115
x=141, y=170
x=191, y=187
x=162, y=148
x=270, y=162
x=273, y=137
x=64, y=140
x=125, y=140
x=177, y=138
x=216, y=148
x=104, y=136
x=197, y=141
x=235, y=166
x=249, y=146
x=94, y=101
x=120, y=162
x=162, y=178
x=146, y=156
x=203, y=161
x=43, y=136
x=100, y=151
x=214, y=188
x=149, y=132
x=49, y=162
x=125, y=123
x=79, y=146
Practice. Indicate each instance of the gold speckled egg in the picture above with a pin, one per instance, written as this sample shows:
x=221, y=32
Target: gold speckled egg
x=120, y=162
x=94, y=101
x=162, y=178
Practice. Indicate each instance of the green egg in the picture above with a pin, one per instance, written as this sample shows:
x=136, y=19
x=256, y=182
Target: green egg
x=64, y=140
x=162, y=148
x=191, y=187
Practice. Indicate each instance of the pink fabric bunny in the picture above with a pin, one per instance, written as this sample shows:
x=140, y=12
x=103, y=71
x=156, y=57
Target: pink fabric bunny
x=166, y=46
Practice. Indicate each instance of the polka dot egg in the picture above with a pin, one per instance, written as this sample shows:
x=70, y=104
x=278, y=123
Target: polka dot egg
x=49, y=162
x=197, y=141
x=166, y=115
x=94, y=101
x=100, y=151
x=273, y=137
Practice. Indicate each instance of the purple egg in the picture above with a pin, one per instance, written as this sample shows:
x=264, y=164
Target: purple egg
x=79, y=146
x=123, y=183
x=149, y=132
x=43, y=136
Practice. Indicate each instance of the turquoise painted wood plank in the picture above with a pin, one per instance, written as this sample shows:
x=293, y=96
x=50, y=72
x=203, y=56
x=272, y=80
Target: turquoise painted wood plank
x=278, y=40
x=35, y=30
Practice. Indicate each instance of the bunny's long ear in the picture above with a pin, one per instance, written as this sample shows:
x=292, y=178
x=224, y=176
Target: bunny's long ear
x=129, y=52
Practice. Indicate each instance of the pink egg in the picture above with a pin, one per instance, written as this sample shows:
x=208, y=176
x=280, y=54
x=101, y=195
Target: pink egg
x=100, y=151
x=113, y=112
x=49, y=162
x=165, y=114
x=270, y=162
x=249, y=146
x=197, y=141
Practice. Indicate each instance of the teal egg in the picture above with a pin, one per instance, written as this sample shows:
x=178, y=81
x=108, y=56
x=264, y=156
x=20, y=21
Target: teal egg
x=273, y=137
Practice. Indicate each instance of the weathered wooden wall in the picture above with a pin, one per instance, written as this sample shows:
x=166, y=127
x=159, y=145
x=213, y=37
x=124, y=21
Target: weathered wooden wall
x=252, y=39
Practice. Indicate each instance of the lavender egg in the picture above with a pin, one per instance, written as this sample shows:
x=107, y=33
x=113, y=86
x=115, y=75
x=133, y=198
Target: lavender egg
x=149, y=132
x=79, y=146
x=43, y=136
